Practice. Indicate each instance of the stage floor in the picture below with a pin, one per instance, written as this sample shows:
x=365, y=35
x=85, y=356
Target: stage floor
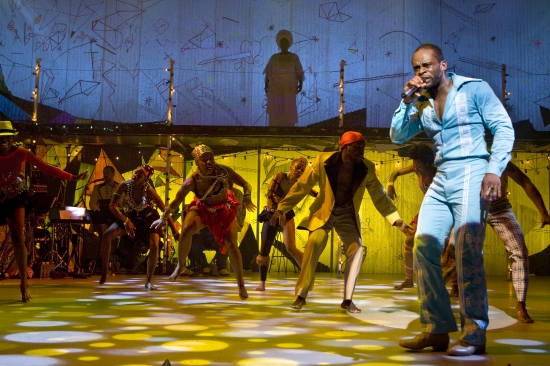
x=202, y=321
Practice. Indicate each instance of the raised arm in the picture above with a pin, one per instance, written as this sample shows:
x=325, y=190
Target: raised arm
x=390, y=190
x=532, y=192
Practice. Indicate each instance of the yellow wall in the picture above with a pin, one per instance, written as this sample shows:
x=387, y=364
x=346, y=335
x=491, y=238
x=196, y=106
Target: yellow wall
x=383, y=242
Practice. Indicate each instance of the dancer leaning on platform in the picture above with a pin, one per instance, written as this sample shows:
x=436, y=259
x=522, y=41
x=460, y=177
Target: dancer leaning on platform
x=454, y=112
x=343, y=177
x=213, y=206
x=13, y=195
x=423, y=158
x=136, y=220
x=503, y=221
x=277, y=190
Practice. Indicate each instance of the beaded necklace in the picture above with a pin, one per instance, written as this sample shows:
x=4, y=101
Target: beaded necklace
x=221, y=176
x=131, y=203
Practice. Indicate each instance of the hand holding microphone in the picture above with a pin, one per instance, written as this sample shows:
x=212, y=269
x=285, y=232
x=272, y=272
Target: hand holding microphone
x=413, y=89
x=409, y=92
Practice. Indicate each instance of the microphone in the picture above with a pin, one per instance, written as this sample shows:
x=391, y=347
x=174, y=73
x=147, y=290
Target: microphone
x=97, y=180
x=410, y=92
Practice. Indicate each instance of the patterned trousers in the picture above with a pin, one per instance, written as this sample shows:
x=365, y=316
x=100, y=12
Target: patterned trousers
x=506, y=226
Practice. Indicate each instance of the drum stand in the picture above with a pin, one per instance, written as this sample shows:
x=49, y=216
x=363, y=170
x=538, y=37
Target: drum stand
x=53, y=258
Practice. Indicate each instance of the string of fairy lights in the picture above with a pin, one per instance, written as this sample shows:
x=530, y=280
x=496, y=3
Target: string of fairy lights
x=532, y=162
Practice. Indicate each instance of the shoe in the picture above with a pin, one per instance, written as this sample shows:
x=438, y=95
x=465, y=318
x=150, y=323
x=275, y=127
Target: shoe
x=439, y=342
x=298, y=304
x=223, y=272
x=462, y=348
x=206, y=271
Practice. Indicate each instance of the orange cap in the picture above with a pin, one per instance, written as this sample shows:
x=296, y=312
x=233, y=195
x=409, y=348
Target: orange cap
x=350, y=137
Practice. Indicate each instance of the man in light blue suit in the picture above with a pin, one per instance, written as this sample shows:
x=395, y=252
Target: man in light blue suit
x=454, y=111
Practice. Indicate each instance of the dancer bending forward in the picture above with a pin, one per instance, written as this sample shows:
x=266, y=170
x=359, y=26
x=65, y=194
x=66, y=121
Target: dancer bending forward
x=213, y=206
x=136, y=220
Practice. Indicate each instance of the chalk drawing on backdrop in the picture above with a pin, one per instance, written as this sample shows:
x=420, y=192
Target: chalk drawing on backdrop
x=456, y=12
x=117, y=29
x=205, y=39
x=308, y=102
x=454, y=39
x=333, y=11
x=356, y=55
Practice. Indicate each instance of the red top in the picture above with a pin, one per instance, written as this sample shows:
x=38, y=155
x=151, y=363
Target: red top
x=11, y=164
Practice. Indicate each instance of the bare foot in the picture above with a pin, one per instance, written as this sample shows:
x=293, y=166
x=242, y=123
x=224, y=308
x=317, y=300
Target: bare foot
x=349, y=306
x=299, y=303
x=150, y=286
x=243, y=294
x=25, y=295
x=261, y=286
x=408, y=283
x=454, y=291
x=522, y=313
x=175, y=274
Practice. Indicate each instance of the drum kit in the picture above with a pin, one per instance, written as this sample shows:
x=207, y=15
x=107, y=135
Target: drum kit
x=53, y=237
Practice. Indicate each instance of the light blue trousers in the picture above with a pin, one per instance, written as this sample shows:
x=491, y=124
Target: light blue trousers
x=453, y=200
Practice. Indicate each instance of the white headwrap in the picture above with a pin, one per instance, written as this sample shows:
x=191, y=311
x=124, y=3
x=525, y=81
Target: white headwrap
x=283, y=33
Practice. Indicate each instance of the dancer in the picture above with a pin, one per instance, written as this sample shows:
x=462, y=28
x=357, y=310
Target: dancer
x=503, y=221
x=454, y=112
x=13, y=195
x=213, y=206
x=136, y=221
x=343, y=177
x=423, y=158
x=277, y=190
x=283, y=80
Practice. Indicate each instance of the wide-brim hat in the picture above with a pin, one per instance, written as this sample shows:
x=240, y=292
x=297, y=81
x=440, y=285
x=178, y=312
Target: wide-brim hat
x=6, y=129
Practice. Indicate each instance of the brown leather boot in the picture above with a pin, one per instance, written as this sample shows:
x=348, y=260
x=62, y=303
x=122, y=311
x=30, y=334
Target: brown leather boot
x=439, y=342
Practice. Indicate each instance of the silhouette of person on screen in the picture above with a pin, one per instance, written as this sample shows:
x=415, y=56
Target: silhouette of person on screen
x=283, y=80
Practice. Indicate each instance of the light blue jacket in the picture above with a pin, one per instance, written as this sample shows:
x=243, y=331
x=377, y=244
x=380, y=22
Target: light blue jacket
x=471, y=107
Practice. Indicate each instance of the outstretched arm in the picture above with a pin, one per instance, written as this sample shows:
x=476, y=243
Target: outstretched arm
x=532, y=192
x=52, y=170
x=187, y=186
x=390, y=190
